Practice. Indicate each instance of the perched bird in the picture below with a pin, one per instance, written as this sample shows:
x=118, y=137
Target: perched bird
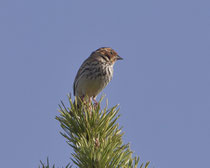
x=95, y=73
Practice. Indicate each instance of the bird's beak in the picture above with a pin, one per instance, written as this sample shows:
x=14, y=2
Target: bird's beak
x=119, y=58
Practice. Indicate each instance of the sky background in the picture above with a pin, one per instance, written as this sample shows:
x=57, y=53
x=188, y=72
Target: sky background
x=162, y=85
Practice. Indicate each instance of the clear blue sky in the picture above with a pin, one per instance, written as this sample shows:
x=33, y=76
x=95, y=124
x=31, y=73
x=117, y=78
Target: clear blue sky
x=162, y=85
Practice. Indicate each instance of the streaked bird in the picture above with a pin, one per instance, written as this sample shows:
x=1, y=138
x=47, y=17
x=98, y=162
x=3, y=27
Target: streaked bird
x=95, y=73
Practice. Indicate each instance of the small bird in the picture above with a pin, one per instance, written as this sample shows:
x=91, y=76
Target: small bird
x=95, y=73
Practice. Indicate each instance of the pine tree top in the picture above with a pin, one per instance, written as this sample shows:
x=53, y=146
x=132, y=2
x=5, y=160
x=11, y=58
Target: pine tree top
x=95, y=136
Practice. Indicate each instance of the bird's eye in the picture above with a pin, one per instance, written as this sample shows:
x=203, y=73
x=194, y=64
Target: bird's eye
x=111, y=52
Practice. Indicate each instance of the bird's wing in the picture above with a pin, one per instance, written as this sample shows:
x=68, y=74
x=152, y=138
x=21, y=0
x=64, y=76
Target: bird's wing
x=82, y=68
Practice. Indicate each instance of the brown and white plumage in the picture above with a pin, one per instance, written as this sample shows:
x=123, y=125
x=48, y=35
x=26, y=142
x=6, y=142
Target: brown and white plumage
x=95, y=73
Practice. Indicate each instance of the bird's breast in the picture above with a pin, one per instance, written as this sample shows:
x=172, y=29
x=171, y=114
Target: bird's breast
x=94, y=80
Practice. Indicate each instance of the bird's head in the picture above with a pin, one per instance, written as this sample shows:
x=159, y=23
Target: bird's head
x=106, y=54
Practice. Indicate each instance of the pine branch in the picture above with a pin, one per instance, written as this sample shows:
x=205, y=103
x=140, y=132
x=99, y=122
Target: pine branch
x=95, y=136
x=48, y=165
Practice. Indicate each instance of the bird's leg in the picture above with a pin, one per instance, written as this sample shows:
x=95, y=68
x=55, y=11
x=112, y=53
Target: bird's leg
x=95, y=102
x=89, y=102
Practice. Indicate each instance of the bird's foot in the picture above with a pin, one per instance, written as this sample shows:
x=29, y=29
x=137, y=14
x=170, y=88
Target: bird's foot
x=95, y=102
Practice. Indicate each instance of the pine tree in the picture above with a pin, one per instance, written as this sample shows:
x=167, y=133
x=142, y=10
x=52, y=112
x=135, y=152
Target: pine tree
x=95, y=137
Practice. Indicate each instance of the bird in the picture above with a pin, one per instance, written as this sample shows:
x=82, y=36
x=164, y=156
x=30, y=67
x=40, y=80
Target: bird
x=94, y=74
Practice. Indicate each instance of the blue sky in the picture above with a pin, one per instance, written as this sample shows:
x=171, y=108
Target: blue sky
x=162, y=85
